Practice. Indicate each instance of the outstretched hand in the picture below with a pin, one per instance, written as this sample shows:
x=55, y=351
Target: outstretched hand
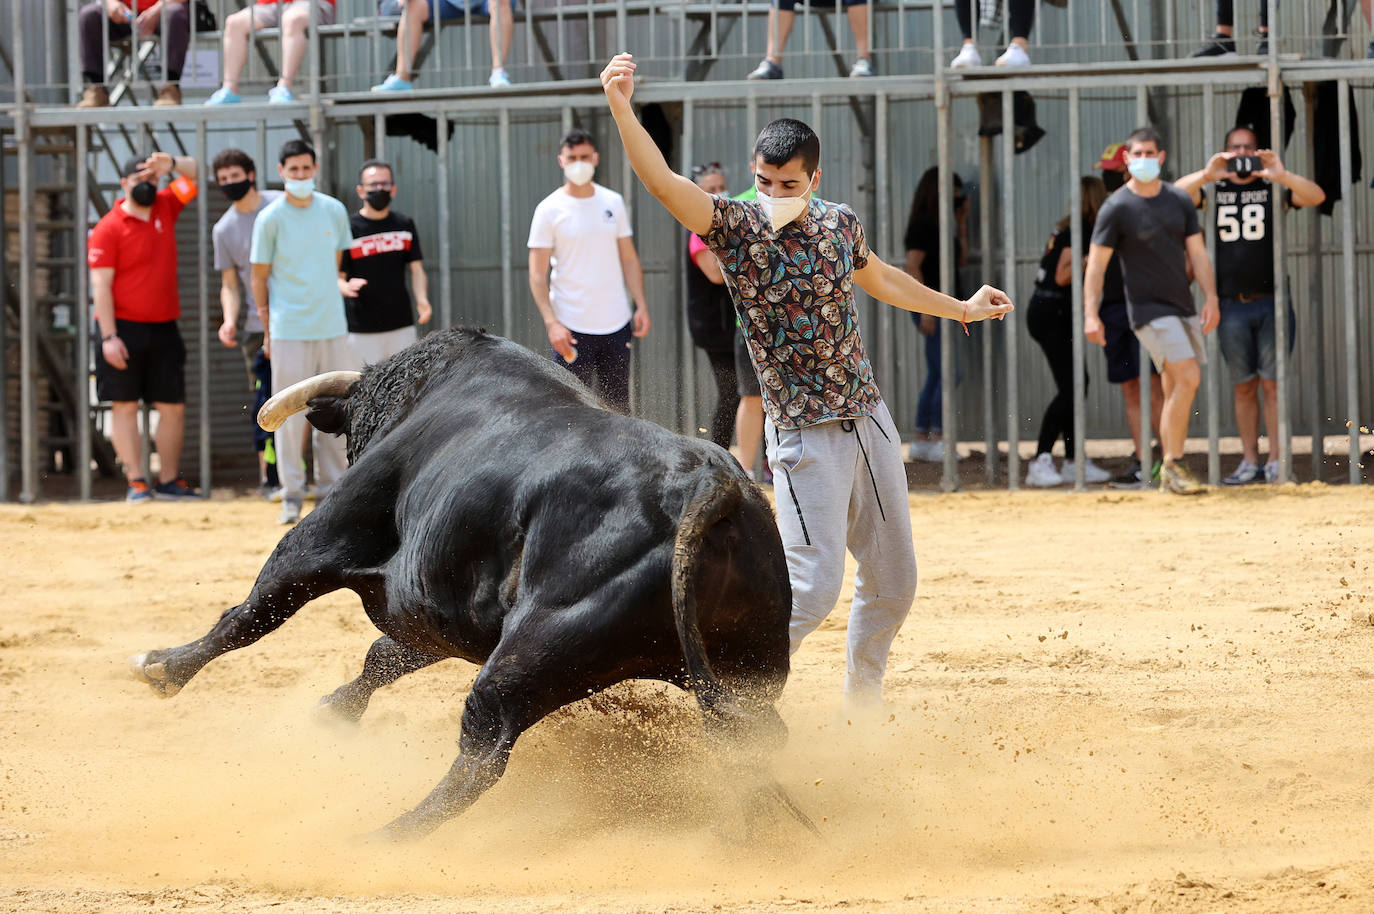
x=987, y=304
x=618, y=79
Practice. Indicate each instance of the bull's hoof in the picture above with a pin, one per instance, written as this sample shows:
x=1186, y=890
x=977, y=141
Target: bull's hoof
x=154, y=674
x=339, y=713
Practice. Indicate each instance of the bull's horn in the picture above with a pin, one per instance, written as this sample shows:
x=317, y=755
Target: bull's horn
x=286, y=404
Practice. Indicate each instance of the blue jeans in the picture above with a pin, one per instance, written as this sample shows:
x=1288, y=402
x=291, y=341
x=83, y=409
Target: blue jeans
x=1246, y=337
x=929, y=415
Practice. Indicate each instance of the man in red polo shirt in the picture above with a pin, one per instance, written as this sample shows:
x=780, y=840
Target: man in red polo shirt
x=132, y=253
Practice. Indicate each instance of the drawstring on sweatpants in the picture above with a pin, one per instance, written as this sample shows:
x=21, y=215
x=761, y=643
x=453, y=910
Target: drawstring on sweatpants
x=847, y=425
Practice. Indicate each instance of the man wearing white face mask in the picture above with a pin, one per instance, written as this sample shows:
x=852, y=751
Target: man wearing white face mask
x=1153, y=228
x=791, y=263
x=298, y=243
x=582, y=232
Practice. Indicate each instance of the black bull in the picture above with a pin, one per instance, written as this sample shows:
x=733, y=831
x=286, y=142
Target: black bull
x=495, y=511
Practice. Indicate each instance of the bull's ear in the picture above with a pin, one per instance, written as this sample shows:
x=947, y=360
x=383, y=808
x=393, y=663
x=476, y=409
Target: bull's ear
x=329, y=414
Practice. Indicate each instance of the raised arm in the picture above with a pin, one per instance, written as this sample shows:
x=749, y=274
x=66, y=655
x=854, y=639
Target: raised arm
x=689, y=204
x=900, y=289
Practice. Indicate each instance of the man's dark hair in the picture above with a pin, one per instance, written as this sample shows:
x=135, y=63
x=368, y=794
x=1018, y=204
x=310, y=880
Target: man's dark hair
x=784, y=140
x=231, y=158
x=1145, y=135
x=376, y=163
x=1226, y=140
x=576, y=137
x=295, y=148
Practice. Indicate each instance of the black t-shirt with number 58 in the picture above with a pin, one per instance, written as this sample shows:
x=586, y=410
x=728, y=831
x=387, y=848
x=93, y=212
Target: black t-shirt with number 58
x=1245, y=247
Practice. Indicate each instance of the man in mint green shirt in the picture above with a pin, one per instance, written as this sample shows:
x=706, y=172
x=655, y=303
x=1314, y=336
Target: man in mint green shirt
x=298, y=242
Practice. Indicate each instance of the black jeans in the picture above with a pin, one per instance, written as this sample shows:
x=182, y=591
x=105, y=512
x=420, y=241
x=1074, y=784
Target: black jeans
x=603, y=364
x=1050, y=322
x=727, y=397
x=1020, y=16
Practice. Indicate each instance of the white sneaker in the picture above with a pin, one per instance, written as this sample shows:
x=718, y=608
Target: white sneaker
x=968, y=56
x=499, y=78
x=1042, y=473
x=1014, y=56
x=918, y=450
x=1271, y=472
x=1092, y=473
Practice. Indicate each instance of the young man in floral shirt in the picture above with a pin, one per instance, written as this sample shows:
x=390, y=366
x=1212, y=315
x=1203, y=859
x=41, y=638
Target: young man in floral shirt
x=791, y=262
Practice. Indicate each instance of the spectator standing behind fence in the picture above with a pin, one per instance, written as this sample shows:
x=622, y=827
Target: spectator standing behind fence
x=1153, y=227
x=1021, y=17
x=782, y=15
x=298, y=242
x=711, y=316
x=582, y=231
x=293, y=17
x=1122, y=349
x=411, y=29
x=922, y=242
x=1244, y=219
x=385, y=247
x=132, y=253
x=237, y=177
x=119, y=21
x=1049, y=318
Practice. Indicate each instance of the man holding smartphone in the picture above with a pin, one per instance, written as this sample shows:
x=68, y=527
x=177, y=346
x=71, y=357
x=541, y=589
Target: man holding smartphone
x=1245, y=176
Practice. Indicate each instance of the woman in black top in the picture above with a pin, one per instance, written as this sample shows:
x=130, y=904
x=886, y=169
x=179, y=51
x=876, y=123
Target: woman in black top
x=1049, y=318
x=711, y=315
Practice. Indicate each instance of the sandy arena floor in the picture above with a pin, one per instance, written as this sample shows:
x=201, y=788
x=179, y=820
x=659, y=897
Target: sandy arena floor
x=1111, y=702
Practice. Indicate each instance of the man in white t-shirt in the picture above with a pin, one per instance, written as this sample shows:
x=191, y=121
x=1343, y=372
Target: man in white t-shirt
x=583, y=231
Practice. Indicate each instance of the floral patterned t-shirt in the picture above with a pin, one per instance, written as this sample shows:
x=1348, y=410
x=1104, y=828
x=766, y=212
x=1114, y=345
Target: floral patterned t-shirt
x=794, y=299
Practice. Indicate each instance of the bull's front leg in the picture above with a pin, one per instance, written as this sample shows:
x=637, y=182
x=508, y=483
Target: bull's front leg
x=387, y=661
x=294, y=575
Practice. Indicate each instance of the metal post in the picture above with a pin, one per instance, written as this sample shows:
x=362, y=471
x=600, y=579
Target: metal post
x=949, y=423
x=686, y=351
x=1009, y=286
x=260, y=144
x=1142, y=114
x=507, y=271
x=73, y=12
x=887, y=347
x=316, y=77
x=1314, y=325
x=1212, y=371
x=985, y=261
x=1076, y=244
x=445, y=228
x=4, y=344
x=28, y=389
x=379, y=136
x=81, y=313
x=203, y=291
x=1284, y=444
x=1348, y=266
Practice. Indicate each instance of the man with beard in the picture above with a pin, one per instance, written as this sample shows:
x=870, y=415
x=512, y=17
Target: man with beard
x=835, y=453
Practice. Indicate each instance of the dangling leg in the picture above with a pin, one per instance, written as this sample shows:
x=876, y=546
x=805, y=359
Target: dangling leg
x=387, y=661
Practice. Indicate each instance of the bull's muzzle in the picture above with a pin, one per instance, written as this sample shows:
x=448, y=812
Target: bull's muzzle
x=287, y=403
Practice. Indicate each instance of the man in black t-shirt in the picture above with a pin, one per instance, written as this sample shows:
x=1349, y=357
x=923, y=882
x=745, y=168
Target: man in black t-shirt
x=1153, y=229
x=1245, y=281
x=385, y=244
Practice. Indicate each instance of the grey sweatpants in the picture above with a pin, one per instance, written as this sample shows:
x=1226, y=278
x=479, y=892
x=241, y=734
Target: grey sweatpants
x=296, y=360
x=841, y=485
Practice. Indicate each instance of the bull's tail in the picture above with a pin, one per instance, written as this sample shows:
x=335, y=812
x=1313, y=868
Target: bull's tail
x=707, y=508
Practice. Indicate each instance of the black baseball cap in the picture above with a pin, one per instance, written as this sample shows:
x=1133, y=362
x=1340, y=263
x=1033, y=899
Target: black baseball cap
x=132, y=166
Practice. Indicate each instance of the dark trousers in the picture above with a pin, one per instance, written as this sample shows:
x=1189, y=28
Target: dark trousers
x=1050, y=322
x=1021, y=16
x=92, y=21
x=603, y=364
x=727, y=397
x=1226, y=14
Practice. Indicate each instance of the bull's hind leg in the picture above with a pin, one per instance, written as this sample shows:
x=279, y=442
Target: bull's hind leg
x=387, y=661
x=295, y=574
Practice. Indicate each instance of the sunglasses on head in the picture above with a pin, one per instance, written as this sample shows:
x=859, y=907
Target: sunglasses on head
x=708, y=168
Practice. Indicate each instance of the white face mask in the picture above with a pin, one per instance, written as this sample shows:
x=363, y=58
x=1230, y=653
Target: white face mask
x=300, y=188
x=580, y=173
x=782, y=210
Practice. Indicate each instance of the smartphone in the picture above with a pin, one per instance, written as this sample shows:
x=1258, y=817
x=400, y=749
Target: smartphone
x=1244, y=166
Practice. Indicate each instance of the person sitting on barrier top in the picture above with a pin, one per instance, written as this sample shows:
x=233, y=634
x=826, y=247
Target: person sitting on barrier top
x=293, y=17
x=415, y=13
x=782, y=15
x=1223, y=41
x=1022, y=16
x=119, y=20
x=1245, y=281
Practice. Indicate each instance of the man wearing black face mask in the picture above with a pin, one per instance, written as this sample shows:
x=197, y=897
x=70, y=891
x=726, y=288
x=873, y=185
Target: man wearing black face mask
x=132, y=254
x=385, y=246
x=236, y=175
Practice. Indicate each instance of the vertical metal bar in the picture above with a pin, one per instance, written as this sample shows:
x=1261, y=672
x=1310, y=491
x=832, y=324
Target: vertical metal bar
x=265, y=168
x=937, y=31
x=881, y=174
x=1009, y=286
x=529, y=31
x=5, y=341
x=1314, y=337
x=203, y=293
x=621, y=39
x=379, y=136
x=507, y=271
x=985, y=260
x=1212, y=371
x=1076, y=240
x=28, y=388
x=81, y=312
x=1348, y=267
x=1142, y=115
x=1284, y=444
x=949, y=477
x=161, y=39
x=591, y=32
x=73, y=10
x=445, y=226
x=316, y=76
x=686, y=351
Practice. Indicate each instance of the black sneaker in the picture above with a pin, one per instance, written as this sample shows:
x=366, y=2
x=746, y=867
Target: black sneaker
x=1370, y=53
x=176, y=490
x=1133, y=478
x=1262, y=49
x=1218, y=45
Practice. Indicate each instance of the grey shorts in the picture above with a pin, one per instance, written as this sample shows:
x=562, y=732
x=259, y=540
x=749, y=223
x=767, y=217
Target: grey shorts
x=268, y=15
x=1173, y=339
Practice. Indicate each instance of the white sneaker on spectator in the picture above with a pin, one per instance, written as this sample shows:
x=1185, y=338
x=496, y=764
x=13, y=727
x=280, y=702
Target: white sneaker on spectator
x=1092, y=473
x=968, y=56
x=1245, y=474
x=1271, y=472
x=1014, y=56
x=499, y=78
x=1042, y=474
